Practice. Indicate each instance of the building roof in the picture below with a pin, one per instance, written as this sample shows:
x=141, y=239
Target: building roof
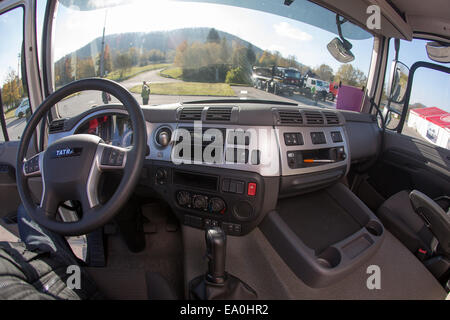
x=429, y=112
x=442, y=121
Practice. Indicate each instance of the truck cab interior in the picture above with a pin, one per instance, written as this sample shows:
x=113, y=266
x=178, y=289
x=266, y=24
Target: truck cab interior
x=219, y=189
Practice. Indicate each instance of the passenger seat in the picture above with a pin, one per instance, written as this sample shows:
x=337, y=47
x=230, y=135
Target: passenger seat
x=399, y=216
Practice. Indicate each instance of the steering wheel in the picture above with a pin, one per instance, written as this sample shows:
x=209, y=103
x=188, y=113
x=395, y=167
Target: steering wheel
x=71, y=166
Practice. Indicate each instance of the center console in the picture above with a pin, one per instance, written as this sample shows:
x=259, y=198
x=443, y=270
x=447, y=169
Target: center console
x=205, y=197
x=284, y=152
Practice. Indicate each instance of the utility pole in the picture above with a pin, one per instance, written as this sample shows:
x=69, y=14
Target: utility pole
x=18, y=64
x=102, y=54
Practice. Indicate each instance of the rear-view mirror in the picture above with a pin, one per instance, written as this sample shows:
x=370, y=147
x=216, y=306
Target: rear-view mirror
x=340, y=50
x=438, y=52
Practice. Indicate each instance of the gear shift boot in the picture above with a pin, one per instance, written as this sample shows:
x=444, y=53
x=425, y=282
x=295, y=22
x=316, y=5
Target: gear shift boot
x=217, y=283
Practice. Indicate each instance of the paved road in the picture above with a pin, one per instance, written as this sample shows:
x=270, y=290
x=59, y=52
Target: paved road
x=149, y=76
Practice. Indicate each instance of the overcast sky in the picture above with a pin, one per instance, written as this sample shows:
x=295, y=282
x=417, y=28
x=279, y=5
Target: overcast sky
x=75, y=29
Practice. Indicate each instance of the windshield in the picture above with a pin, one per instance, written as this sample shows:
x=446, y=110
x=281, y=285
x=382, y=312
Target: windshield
x=188, y=51
x=292, y=74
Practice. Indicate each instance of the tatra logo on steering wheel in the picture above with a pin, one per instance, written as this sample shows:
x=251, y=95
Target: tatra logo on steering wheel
x=67, y=152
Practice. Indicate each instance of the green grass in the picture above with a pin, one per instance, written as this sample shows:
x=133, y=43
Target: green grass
x=115, y=75
x=174, y=73
x=188, y=89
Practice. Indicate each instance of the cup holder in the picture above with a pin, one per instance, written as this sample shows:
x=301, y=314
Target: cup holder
x=374, y=228
x=329, y=258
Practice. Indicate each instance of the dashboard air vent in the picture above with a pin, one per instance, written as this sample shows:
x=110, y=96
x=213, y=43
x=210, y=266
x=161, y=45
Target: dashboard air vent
x=331, y=118
x=194, y=113
x=290, y=116
x=56, y=126
x=218, y=114
x=314, y=117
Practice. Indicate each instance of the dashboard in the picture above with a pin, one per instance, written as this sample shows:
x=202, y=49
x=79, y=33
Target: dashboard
x=114, y=129
x=228, y=164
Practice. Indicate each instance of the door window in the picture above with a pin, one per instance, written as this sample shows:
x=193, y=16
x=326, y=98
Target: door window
x=16, y=105
x=428, y=114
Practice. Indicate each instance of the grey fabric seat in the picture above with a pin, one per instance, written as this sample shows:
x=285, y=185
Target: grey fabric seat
x=28, y=273
x=399, y=217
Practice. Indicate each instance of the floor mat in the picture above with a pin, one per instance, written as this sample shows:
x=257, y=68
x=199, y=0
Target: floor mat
x=163, y=253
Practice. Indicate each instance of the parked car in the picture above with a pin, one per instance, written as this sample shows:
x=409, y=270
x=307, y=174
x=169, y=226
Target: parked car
x=23, y=109
x=316, y=88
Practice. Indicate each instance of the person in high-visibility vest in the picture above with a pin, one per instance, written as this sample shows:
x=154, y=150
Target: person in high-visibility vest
x=145, y=93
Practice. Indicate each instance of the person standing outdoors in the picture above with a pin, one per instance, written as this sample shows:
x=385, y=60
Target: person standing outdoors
x=145, y=93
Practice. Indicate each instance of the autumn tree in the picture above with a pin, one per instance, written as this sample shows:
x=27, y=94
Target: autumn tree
x=225, y=51
x=107, y=60
x=179, y=54
x=251, y=56
x=266, y=59
x=123, y=63
x=85, y=68
x=324, y=72
x=351, y=76
x=63, y=71
x=213, y=36
x=134, y=56
x=11, y=90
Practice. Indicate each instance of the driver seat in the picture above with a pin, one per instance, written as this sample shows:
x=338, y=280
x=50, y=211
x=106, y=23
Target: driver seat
x=29, y=273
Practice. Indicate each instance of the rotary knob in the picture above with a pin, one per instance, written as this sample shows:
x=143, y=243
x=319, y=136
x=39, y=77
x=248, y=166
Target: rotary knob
x=216, y=205
x=183, y=198
x=163, y=136
x=200, y=202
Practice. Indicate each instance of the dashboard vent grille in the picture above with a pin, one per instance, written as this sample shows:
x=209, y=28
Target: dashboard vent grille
x=314, y=117
x=290, y=116
x=331, y=118
x=219, y=114
x=194, y=113
x=56, y=126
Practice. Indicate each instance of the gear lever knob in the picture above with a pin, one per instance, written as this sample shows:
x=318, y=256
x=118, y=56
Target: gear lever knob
x=216, y=247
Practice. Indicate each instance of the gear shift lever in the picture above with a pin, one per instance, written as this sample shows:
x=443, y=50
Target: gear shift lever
x=216, y=247
x=217, y=283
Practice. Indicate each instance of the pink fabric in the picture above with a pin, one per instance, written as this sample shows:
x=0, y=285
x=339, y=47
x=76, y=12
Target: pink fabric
x=349, y=98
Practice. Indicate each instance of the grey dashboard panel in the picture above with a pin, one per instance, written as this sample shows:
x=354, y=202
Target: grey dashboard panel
x=363, y=135
x=359, y=131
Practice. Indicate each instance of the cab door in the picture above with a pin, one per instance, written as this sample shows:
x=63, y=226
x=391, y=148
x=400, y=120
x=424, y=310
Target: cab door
x=20, y=86
x=416, y=148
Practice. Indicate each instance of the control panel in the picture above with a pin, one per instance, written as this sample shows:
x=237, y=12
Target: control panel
x=201, y=202
x=312, y=149
x=209, y=197
x=316, y=157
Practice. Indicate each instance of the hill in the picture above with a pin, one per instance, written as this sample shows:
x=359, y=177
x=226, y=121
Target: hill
x=164, y=41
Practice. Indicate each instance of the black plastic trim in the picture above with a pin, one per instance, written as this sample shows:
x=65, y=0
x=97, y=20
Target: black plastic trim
x=414, y=67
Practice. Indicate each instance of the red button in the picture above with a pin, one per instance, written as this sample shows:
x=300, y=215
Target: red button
x=251, y=190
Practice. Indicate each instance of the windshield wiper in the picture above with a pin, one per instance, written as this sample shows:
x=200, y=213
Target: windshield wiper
x=241, y=101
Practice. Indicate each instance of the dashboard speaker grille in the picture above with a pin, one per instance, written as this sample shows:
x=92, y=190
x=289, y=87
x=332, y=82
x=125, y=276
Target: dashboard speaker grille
x=193, y=114
x=331, y=118
x=314, y=117
x=290, y=116
x=219, y=114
